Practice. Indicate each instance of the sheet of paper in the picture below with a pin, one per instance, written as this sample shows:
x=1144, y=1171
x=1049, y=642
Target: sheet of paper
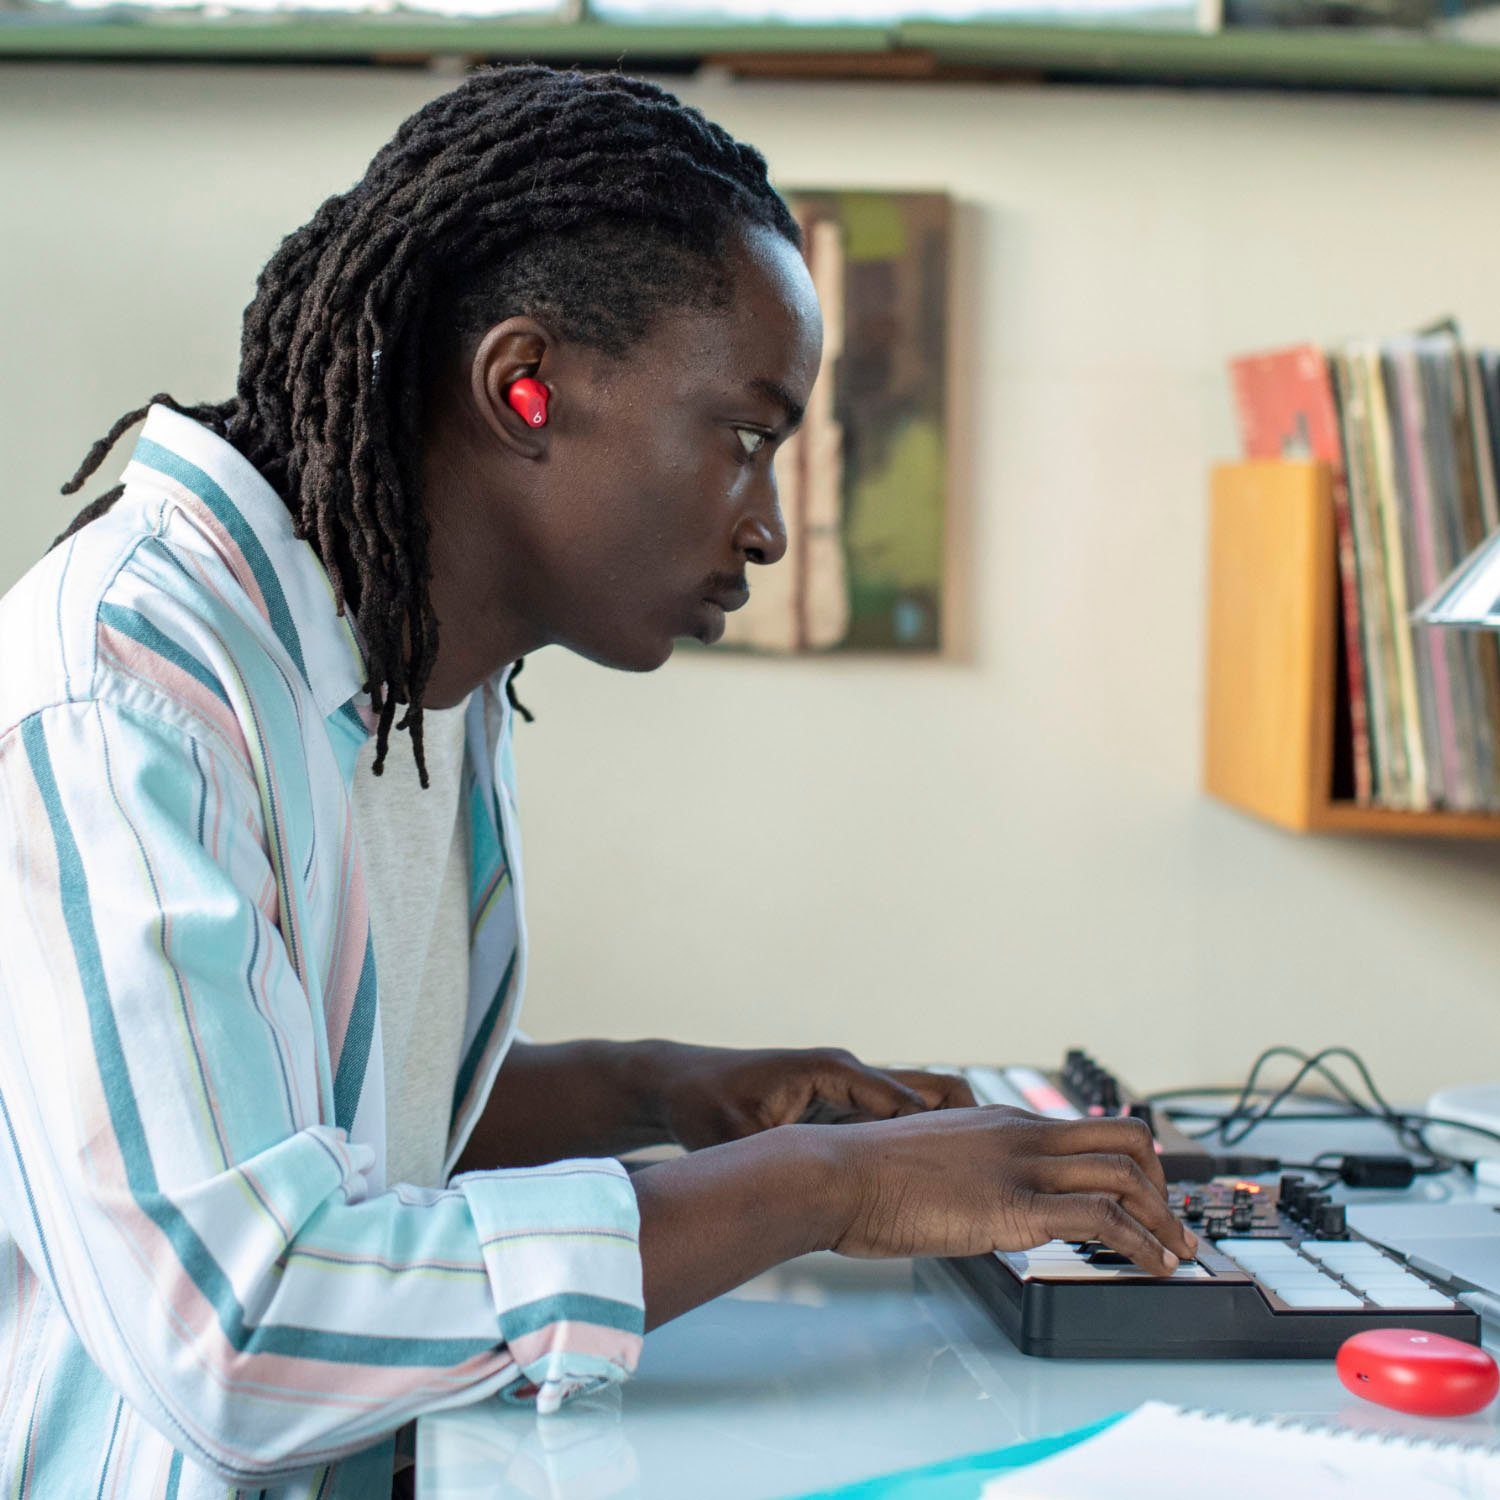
x=1170, y=1454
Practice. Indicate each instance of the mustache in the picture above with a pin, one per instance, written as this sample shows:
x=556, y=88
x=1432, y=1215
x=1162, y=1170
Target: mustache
x=725, y=583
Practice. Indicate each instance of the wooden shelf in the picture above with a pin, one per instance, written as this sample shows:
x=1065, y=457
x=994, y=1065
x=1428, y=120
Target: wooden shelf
x=1273, y=622
x=1292, y=58
x=1344, y=817
x=417, y=38
x=1299, y=59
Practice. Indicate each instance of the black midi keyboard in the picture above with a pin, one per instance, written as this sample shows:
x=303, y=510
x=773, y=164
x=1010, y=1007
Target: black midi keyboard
x=1278, y=1273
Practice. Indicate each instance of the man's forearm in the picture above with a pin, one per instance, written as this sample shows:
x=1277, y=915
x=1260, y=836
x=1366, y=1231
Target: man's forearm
x=715, y=1218
x=709, y=1220
x=562, y=1099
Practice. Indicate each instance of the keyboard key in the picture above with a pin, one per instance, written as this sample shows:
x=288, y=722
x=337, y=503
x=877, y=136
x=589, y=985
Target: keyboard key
x=1428, y=1298
x=1245, y=1251
x=1339, y=1253
x=1258, y=1267
x=1351, y=1268
x=1335, y=1297
x=1385, y=1282
x=1291, y=1280
x=1053, y=1250
x=1279, y=1279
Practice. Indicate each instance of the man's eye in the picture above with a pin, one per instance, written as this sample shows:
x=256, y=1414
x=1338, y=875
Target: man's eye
x=750, y=440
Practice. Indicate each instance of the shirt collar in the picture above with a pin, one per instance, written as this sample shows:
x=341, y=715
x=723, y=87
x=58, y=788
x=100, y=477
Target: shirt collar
x=229, y=497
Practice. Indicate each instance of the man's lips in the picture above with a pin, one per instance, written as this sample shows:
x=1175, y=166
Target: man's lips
x=730, y=598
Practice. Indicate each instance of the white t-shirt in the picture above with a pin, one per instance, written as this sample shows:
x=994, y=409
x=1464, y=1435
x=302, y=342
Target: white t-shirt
x=414, y=846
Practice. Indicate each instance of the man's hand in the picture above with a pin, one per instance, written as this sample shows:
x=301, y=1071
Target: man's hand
x=704, y=1096
x=945, y=1182
x=594, y=1098
x=971, y=1181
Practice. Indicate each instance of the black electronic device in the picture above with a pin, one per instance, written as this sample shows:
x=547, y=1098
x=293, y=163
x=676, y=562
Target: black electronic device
x=1279, y=1275
x=1080, y=1088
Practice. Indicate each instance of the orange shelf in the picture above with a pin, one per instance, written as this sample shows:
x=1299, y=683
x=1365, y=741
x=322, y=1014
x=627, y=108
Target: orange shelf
x=1273, y=621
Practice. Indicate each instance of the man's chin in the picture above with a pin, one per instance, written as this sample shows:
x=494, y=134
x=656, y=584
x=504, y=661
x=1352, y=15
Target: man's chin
x=642, y=656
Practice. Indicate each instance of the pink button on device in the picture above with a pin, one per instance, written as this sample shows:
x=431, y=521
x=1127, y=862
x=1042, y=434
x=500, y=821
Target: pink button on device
x=1040, y=1094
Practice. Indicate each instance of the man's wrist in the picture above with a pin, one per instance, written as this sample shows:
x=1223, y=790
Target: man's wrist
x=800, y=1175
x=713, y=1218
x=643, y=1072
x=581, y=1098
x=825, y=1176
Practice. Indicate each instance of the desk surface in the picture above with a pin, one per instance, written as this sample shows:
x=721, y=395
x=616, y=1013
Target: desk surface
x=827, y=1371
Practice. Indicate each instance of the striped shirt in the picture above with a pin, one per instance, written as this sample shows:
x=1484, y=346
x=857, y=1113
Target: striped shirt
x=207, y=1285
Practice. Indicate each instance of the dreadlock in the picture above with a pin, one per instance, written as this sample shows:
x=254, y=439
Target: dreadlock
x=588, y=201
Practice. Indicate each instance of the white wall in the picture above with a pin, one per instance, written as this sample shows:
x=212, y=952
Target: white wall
x=993, y=856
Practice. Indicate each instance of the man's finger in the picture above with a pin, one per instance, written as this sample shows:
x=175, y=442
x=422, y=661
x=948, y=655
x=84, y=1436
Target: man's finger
x=872, y=1094
x=938, y=1090
x=1095, y=1216
x=1133, y=1137
x=1121, y=1178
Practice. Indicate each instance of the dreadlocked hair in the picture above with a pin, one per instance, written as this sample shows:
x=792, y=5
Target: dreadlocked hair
x=591, y=202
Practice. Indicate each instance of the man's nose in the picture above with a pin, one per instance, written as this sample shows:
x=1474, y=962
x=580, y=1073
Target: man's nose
x=761, y=535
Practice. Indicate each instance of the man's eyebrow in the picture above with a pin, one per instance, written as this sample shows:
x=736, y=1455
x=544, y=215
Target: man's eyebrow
x=773, y=390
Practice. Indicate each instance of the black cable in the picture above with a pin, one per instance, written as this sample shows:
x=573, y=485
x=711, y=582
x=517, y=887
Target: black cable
x=1328, y=1174
x=1418, y=1169
x=1241, y=1119
x=1281, y=1119
x=1234, y=1125
x=1233, y=1130
x=1409, y=1119
x=1244, y=1092
x=1218, y=1089
x=1427, y=1121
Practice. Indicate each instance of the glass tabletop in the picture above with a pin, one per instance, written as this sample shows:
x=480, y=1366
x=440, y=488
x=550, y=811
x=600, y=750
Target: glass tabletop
x=828, y=1371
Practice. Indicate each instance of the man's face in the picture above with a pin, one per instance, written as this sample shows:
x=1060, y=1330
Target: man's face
x=656, y=491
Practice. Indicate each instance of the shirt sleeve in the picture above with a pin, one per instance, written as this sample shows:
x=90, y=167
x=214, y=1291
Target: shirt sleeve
x=165, y=1163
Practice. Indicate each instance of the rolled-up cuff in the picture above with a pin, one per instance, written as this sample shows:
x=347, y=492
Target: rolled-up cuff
x=561, y=1244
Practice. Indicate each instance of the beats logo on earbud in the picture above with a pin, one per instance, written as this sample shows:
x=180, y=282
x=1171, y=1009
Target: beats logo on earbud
x=529, y=398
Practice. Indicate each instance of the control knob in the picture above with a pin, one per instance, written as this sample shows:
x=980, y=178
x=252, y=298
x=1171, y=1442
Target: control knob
x=1329, y=1224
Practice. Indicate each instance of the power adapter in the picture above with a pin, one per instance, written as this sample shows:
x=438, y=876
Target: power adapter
x=1376, y=1171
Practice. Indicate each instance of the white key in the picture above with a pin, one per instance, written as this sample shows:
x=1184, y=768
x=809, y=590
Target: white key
x=1421, y=1301
x=1370, y=1270
x=1071, y=1270
x=1263, y=1266
x=1294, y=1276
x=1314, y=1249
x=1384, y=1282
x=1339, y=1254
x=1245, y=1251
x=1189, y=1270
x=1334, y=1297
x=1052, y=1250
x=1281, y=1281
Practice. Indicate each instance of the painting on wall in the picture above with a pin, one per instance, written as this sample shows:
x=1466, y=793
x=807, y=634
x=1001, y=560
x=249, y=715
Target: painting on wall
x=862, y=484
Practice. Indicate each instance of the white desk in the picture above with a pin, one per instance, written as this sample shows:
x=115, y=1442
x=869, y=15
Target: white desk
x=829, y=1370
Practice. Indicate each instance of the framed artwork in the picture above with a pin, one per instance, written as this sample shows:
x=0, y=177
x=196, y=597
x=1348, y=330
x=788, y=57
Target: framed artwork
x=863, y=483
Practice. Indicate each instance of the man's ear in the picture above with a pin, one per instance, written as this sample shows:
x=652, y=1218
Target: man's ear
x=510, y=350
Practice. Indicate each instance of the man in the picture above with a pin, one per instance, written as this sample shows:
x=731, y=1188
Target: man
x=520, y=386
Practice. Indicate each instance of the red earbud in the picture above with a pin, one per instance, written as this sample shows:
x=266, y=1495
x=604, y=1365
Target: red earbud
x=529, y=398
